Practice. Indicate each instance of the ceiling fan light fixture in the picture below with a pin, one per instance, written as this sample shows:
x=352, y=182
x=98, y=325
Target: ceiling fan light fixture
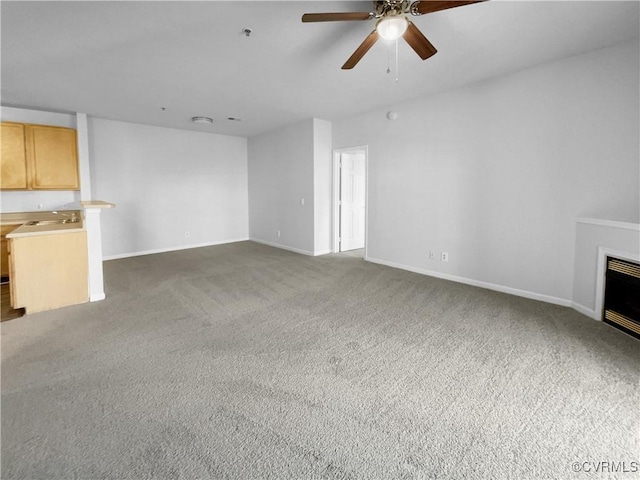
x=392, y=27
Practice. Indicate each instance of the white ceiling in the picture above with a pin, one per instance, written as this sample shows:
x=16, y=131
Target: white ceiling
x=126, y=60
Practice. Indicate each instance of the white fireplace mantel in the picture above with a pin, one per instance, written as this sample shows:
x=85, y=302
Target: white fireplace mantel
x=595, y=240
x=610, y=223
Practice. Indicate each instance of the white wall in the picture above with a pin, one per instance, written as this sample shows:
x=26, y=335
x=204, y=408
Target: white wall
x=322, y=185
x=590, y=235
x=496, y=173
x=286, y=166
x=281, y=166
x=164, y=183
x=28, y=201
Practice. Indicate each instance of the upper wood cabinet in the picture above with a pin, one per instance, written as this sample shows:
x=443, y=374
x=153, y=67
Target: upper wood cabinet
x=45, y=158
x=53, y=152
x=14, y=158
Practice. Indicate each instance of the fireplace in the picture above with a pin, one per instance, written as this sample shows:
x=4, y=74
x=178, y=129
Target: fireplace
x=622, y=295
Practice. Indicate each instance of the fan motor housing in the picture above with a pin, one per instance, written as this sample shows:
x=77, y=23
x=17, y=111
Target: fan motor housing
x=384, y=7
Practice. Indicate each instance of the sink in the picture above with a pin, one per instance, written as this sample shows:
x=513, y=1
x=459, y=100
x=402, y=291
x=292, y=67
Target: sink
x=53, y=222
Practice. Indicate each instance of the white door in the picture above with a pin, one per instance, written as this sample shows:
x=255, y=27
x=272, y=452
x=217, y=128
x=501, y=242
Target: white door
x=352, y=198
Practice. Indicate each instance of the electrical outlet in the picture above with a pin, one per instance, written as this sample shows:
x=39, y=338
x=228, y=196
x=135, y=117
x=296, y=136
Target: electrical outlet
x=444, y=256
x=187, y=234
x=40, y=206
x=278, y=233
x=302, y=201
x=431, y=255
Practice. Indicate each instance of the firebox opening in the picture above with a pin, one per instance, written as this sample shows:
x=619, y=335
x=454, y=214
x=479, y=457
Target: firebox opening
x=622, y=296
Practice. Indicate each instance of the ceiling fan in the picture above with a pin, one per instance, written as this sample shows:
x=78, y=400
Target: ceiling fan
x=392, y=24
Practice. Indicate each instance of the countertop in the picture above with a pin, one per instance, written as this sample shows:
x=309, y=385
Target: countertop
x=24, y=230
x=97, y=204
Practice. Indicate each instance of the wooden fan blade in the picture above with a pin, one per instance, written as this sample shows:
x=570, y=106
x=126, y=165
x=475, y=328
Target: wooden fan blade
x=361, y=50
x=419, y=42
x=335, y=17
x=430, y=6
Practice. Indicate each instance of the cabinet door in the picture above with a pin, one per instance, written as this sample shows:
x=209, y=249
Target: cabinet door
x=13, y=160
x=53, y=153
x=4, y=257
x=4, y=248
x=49, y=271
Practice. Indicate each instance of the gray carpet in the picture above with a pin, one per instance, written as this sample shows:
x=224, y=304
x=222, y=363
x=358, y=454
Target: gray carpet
x=359, y=252
x=243, y=361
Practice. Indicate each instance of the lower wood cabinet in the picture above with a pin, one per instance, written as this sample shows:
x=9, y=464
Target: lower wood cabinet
x=4, y=248
x=48, y=271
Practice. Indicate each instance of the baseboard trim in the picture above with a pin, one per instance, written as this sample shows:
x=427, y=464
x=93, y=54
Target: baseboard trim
x=322, y=252
x=283, y=247
x=589, y=312
x=477, y=283
x=171, y=249
x=96, y=297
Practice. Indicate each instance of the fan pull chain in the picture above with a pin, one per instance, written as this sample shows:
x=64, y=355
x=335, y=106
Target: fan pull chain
x=397, y=63
x=388, y=61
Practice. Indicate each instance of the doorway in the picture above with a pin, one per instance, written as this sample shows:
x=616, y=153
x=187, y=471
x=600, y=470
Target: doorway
x=350, y=200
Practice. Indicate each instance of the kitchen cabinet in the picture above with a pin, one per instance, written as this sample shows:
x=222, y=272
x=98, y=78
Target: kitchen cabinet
x=4, y=248
x=48, y=271
x=43, y=158
x=14, y=158
x=53, y=153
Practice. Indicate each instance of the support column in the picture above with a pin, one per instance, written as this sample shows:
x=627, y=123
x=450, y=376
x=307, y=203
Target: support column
x=82, y=129
x=92, y=210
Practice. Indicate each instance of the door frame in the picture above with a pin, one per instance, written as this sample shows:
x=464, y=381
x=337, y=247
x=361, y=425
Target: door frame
x=335, y=233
